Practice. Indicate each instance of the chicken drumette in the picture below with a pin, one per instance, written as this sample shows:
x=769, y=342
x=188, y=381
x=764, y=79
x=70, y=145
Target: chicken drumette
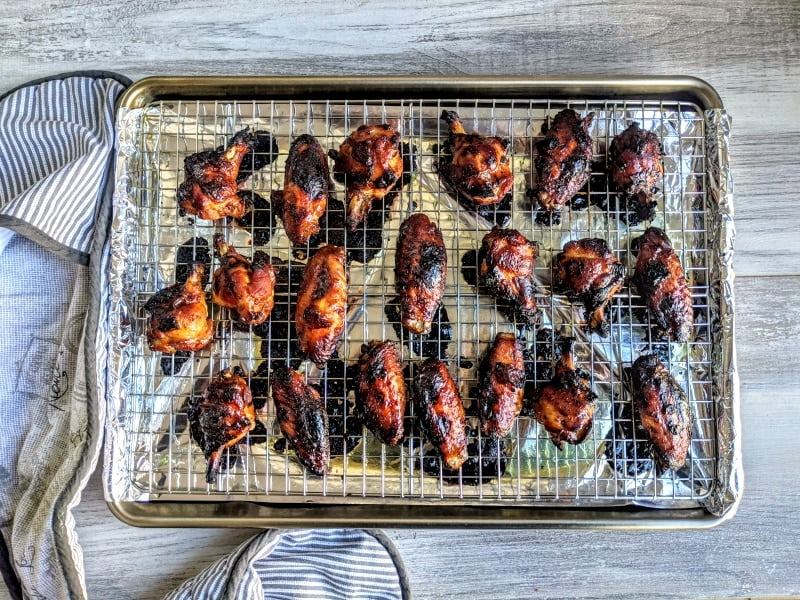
x=178, y=316
x=475, y=165
x=636, y=166
x=248, y=289
x=502, y=384
x=587, y=271
x=420, y=272
x=370, y=163
x=660, y=280
x=381, y=391
x=223, y=417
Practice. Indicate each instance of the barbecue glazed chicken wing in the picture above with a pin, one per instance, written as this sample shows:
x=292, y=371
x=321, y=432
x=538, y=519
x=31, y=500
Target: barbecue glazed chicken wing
x=502, y=384
x=564, y=159
x=565, y=406
x=505, y=270
x=659, y=278
x=321, y=304
x=475, y=165
x=179, y=318
x=248, y=289
x=302, y=419
x=420, y=272
x=371, y=164
x=304, y=197
x=587, y=271
x=381, y=391
x=636, y=165
x=663, y=410
x=441, y=412
x=223, y=417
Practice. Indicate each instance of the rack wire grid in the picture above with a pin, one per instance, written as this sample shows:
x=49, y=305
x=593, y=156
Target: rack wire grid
x=609, y=468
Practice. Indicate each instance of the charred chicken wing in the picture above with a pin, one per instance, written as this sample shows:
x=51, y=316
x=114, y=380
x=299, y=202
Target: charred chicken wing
x=663, y=410
x=659, y=278
x=179, y=318
x=302, y=419
x=321, y=303
x=505, y=270
x=564, y=158
x=502, y=384
x=381, y=391
x=636, y=166
x=248, y=289
x=565, y=406
x=223, y=417
x=475, y=165
x=420, y=272
x=587, y=271
x=370, y=163
x=441, y=412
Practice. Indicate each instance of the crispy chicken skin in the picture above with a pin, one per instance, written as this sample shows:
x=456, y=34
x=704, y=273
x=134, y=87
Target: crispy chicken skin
x=420, y=272
x=564, y=159
x=179, y=318
x=441, y=412
x=663, y=410
x=381, y=391
x=475, y=165
x=371, y=164
x=505, y=270
x=223, y=417
x=565, y=406
x=321, y=304
x=636, y=165
x=587, y=271
x=302, y=418
x=248, y=289
x=304, y=197
x=659, y=278
x=502, y=384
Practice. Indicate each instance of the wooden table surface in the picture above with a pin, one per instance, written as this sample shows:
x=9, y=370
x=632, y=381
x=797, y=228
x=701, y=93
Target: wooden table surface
x=749, y=50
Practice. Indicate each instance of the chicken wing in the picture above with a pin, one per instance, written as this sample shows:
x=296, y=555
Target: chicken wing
x=565, y=406
x=636, y=165
x=369, y=162
x=587, y=271
x=248, y=289
x=321, y=304
x=381, y=391
x=223, y=417
x=475, y=165
x=302, y=418
x=660, y=280
x=502, y=384
x=505, y=270
x=420, y=272
x=178, y=316
x=663, y=410
x=441, y=412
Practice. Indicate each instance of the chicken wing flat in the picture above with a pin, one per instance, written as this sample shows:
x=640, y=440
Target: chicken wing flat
x=441, y=412
x=420, y=272
x=505, y=270
x=302, y=418
x=588, y=272
x=223, y=417
x=564, y=159
x=179, y=318
x=381, y=391
x=475, y=165
x=660, y=280
x=636, y=165
x=248, y=289
x=370, y=163
x=304, y=198
x=565, y=406
x=321, y=304
x=502, y=384
x=663, y=410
